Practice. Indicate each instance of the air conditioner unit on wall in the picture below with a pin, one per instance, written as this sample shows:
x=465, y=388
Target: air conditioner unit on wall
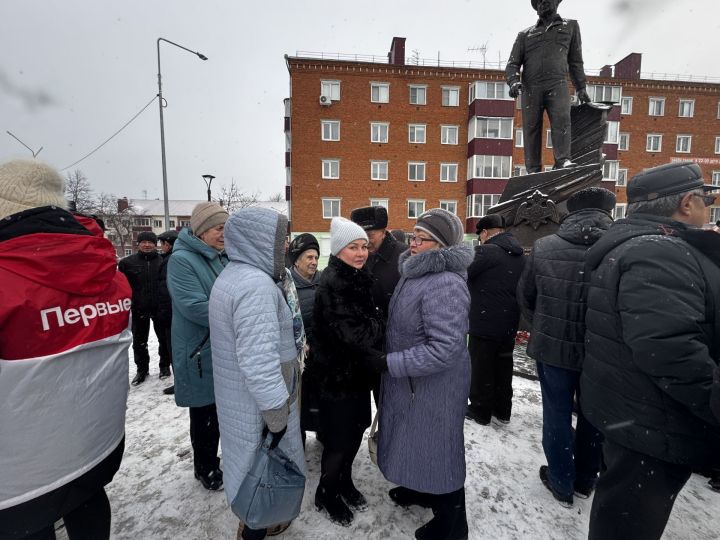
x=326, y=101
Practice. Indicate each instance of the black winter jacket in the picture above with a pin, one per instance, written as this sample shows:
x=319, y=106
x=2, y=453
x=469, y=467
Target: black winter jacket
x=492, y=281
x=306, y=295
x=552, y=289
x=142, y=271
x=346, y=327
x=383, y=265
x=653, y=324
x=163, y=315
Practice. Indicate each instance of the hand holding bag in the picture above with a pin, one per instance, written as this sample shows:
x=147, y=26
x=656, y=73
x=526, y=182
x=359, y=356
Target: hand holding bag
x=272, y=490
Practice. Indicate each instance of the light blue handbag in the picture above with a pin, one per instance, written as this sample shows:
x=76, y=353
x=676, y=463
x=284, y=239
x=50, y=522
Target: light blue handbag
x=272, y=491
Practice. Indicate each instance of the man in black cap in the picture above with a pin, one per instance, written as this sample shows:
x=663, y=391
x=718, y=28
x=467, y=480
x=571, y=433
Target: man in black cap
x=652, y=342
x=384, y=252
x=142, y=270
x=547, y=52
x=494, y=315
x=163, y=320
x=551, y=293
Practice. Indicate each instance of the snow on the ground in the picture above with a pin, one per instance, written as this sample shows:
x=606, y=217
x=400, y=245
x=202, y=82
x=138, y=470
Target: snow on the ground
x=155, y=496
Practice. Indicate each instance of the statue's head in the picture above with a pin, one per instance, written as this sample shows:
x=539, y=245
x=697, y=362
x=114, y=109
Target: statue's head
x=545, y=7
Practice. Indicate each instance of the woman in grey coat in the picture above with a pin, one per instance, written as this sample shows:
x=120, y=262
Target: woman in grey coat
x=425, y=389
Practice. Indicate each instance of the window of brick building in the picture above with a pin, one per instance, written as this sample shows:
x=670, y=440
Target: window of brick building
x=622, y=177
x=599, y=92
x=378, y=170
x=619, y=211
x=626, y=104
x=479, y=203
x=416, y=133
x=418, y=94
x=379, y=132
x=683, y=144
x=624, y=141
x=686, y=108
x=519, y=138
x=490, y=128
x=548, y=138
x=331, y=169
x=448, y=172
x=379, y=92
x=330, y=89
x=714, y=214
x=416, y=171
x=330, y=208
x=612, y=131
x=157, y=223
x=450, y=96
x=330, y=130
x=610, y=170
x=488, y=90
x=715, y=178
x=450, y=206
x=654, y=142
x=415, y=208
x=385, y=203
x=489, y=166
x=519, y=170
x=717, y=145
x=656, y=106
x=449, y=134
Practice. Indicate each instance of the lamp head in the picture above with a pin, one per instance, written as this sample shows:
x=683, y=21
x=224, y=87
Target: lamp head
x=201, y=56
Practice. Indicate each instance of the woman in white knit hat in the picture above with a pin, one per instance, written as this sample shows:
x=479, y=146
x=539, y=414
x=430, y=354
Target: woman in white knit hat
x=347, y=329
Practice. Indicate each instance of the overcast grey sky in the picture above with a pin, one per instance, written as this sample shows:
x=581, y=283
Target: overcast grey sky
x=74, y=71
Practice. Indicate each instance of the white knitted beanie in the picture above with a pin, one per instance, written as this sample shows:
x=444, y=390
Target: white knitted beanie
x=342, y=232
x=26, y=184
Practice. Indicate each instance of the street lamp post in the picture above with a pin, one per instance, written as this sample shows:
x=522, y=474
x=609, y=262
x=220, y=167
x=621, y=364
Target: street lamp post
x=162, y=124
x=208, y=180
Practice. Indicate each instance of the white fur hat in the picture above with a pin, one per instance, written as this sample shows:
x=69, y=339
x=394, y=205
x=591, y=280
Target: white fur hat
x=342, y=232
x=26, y=184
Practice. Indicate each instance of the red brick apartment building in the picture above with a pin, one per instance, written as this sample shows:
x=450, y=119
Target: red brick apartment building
x=412, y=137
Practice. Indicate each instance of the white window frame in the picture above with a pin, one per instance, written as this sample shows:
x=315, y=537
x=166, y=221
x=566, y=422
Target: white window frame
x=659, y=102
x=624, y=141
x=717, y=145
x=376, y=132
x=414, y=170
x=519, y=138
x=605, y=92
x=157, y=223
x=327, y=169
x=142, y=222
x=128, y=252
x=619, y=211
x=331, y=201
x=626, y=105
x=484, y=203
x=376, y=167
x=449, y=172
x=385, y=203
x=691, y=106
x=680, y=146
x=652, y=137
x=413, y=203
x=417, y=133
x=610, y=170
x=450, y=96
x=330, y=89
x=612, y=132
x=330, y=125
x=622, y=178
x=548, y=138
x=503, y=163
x=449, y=205
x=446, y=131
x=421, y=91
x=383, y=92
x=479, y=90
x=484, y=127
x=519, y=170
x=714, y=214
x=715, y=178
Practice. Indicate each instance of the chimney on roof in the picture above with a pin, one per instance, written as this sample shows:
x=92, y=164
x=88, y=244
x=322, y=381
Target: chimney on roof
x=122, y=205
x=606, y=71
x=396, y=55
x=629, y=67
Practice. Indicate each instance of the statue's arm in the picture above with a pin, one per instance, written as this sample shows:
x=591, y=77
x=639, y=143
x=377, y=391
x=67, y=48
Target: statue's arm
x=576, y=66
x=517, y=57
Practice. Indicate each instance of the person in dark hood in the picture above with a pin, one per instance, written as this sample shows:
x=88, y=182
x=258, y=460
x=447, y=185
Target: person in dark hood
x=551, y=293
x=494, y=315
x=652, y=343
x=164, y=308
x=142, y=270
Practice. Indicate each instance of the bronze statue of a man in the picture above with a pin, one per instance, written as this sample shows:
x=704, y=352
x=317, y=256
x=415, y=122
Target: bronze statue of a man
x=547, y=52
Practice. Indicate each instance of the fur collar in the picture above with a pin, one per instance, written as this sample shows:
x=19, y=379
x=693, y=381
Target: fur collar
x=451, y=259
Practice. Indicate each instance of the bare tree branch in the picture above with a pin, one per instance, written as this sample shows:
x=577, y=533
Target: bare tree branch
x=79, y=191
x=233, y=198
x=119, y=223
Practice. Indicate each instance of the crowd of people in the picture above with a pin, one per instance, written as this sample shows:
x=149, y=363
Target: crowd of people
x=624, y=321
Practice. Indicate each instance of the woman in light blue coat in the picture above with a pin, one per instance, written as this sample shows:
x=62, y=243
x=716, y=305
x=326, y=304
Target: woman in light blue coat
x=425, y=388
x=254, y=349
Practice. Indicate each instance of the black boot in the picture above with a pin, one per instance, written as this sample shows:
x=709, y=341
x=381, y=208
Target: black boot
x=354, y=499
x=170, y=390
x=450, y=521
x=139, y=378
x=336, y=509
x=212, y=480
x=406, y=497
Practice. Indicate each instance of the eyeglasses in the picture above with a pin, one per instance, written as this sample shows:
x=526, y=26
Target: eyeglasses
x=708, y=200
x=418, y=240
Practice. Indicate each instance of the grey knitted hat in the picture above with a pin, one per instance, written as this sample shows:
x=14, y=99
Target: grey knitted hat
x=443, y=226
x=26, y=184
x=342, y=232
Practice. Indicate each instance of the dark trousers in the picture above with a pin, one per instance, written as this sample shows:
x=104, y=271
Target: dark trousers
x=491, y=378
x=573, y=458
x=205, y=438
x=89, y=521
x=634, y=496
x=555, y=99
x=141, y=331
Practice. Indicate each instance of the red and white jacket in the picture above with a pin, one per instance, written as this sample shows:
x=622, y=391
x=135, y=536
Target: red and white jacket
x=64, y=338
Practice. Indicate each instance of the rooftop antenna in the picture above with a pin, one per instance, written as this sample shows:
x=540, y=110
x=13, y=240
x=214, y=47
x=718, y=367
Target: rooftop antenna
x=415, y=58
x=482, y=49
x=33, y=152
